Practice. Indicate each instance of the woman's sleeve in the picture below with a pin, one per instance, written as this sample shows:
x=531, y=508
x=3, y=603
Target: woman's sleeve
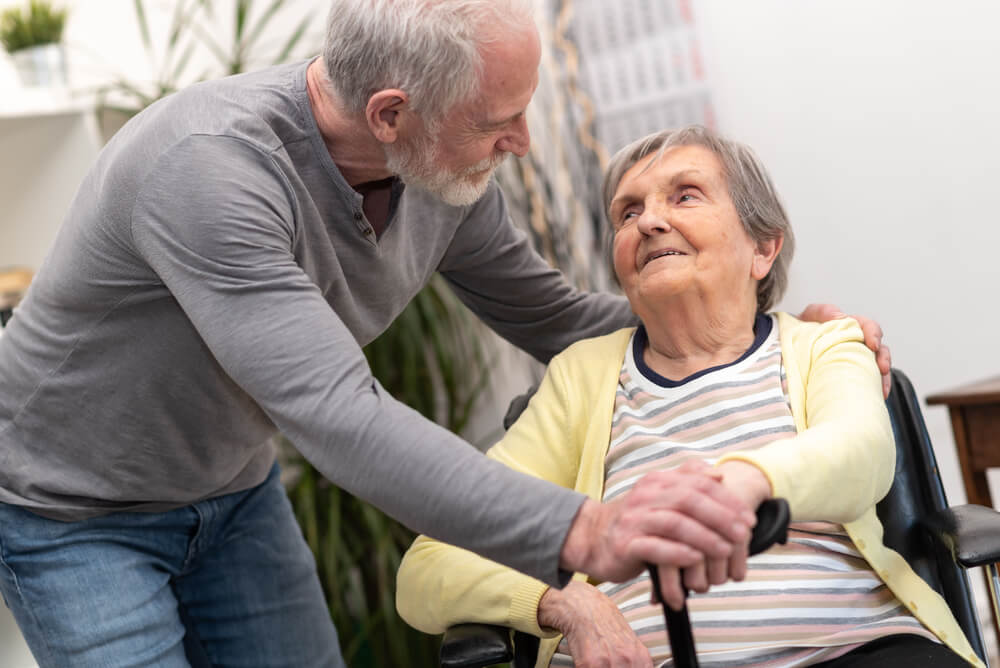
x=843, y=462
x=439, y=585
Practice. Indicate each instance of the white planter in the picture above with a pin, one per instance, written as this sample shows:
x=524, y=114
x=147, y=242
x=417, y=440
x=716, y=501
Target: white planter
x=41, y=66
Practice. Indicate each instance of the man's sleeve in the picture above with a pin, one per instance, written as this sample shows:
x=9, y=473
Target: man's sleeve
x=439, y=585
x=495, y=271
x=215, y=222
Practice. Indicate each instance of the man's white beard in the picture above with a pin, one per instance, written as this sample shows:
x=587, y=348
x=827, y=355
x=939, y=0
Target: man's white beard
x=414, y=162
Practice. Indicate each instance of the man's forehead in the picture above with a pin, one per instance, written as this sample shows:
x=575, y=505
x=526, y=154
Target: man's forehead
x=499, y=109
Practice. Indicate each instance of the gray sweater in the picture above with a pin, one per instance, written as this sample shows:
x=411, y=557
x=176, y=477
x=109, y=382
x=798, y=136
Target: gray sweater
x=214, y=281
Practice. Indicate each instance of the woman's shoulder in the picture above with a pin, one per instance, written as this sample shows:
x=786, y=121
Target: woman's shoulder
x=793, y=330
x=592, y=361
x=596, y=348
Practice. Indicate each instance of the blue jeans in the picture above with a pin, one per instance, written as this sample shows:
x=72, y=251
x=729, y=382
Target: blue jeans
x=224, y=582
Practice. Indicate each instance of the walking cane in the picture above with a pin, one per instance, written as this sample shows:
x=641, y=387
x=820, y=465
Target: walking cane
x=771, y=528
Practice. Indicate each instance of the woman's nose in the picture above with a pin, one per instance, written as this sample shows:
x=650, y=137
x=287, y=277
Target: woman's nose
x=653, y=221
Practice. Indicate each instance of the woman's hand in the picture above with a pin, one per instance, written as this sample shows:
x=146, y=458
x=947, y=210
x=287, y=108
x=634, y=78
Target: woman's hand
x=745, y=481
x=596, y=632
x=752, y=487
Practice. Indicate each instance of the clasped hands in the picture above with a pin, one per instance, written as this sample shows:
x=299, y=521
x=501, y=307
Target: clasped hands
x=694, y=522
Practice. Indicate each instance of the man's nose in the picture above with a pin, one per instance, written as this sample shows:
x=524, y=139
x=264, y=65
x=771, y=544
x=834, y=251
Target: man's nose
x=518, y=140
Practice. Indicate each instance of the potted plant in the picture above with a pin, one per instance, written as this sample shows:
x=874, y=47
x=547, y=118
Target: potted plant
x=33, y=38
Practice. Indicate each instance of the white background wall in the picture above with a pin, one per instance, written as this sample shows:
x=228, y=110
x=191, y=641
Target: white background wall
x=878, y=120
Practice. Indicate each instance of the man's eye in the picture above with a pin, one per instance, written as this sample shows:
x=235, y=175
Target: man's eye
x=685, y=197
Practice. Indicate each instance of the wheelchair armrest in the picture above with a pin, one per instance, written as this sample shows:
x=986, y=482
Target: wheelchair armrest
x=475, y=646
x=970, y=532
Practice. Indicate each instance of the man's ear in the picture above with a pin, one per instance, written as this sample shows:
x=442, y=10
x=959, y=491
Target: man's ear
x=764, y=256
x=384, y=112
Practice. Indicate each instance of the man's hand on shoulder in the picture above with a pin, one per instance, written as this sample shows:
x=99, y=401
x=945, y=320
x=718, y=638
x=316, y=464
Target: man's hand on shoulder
x=872, y=331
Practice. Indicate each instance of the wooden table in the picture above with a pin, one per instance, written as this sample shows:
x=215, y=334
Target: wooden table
x=975, y=421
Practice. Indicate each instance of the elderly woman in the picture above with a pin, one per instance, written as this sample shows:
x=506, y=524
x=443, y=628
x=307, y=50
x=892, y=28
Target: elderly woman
x=776, y=406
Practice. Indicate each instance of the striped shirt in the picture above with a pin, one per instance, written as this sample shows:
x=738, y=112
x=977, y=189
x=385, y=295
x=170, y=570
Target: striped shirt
x=808, y=601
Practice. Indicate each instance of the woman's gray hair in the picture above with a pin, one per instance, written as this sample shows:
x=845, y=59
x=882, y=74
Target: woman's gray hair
x=429, y=48
x=750, y=187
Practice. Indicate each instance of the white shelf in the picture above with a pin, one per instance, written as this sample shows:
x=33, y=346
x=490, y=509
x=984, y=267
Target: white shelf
x=39, y=102
x=49, y=139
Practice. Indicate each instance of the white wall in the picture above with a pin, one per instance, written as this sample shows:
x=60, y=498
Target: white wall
x=878, y=121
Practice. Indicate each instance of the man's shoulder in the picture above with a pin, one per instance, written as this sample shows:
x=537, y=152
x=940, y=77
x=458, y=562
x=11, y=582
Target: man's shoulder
x=264, y=108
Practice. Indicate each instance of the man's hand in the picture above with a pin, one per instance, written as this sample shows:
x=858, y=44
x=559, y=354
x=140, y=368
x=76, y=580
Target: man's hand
x=673, y=519
x=872, y=331
x=596, y=631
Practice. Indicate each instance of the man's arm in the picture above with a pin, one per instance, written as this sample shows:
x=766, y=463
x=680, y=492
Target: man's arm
x=220, y=240
x=215, y=224
x=670, y=518
x=493, y=268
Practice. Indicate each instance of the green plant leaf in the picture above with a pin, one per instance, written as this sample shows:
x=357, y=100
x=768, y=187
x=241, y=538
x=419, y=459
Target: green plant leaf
x=253, y=34
x=293, y=40
x=140, y=17
x=42, y=23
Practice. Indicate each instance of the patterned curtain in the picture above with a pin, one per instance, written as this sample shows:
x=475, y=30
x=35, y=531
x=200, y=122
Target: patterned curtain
x=610, y=72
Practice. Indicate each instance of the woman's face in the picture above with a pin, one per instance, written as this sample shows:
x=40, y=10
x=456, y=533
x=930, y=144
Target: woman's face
x=677, y=233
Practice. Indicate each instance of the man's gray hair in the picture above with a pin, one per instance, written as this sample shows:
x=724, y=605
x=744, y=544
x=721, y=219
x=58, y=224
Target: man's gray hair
x=429, y=48
x=750, y=187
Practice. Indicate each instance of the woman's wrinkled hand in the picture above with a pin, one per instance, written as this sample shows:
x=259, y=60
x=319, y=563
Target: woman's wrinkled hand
x=595, y=630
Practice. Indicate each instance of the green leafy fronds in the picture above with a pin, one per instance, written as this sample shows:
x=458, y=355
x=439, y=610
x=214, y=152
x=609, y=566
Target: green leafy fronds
x=194, y=28
x=41, y=23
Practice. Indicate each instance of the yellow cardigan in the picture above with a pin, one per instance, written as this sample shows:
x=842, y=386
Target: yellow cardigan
x=837, y=467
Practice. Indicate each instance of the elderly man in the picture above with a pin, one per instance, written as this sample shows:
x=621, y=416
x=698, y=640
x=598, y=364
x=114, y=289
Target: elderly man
x=226, y=258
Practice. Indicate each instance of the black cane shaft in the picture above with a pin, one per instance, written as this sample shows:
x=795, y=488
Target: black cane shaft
x=681, y=636
x=772, y=527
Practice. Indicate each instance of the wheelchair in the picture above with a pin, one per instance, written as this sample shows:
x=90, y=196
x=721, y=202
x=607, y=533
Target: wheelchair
x=939, y=542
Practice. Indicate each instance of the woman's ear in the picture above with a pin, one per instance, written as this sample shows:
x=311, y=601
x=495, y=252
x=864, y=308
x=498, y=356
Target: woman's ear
x=384, y=113
x=764, y=256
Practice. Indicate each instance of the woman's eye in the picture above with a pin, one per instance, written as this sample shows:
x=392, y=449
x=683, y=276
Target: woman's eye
x=687, y=194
